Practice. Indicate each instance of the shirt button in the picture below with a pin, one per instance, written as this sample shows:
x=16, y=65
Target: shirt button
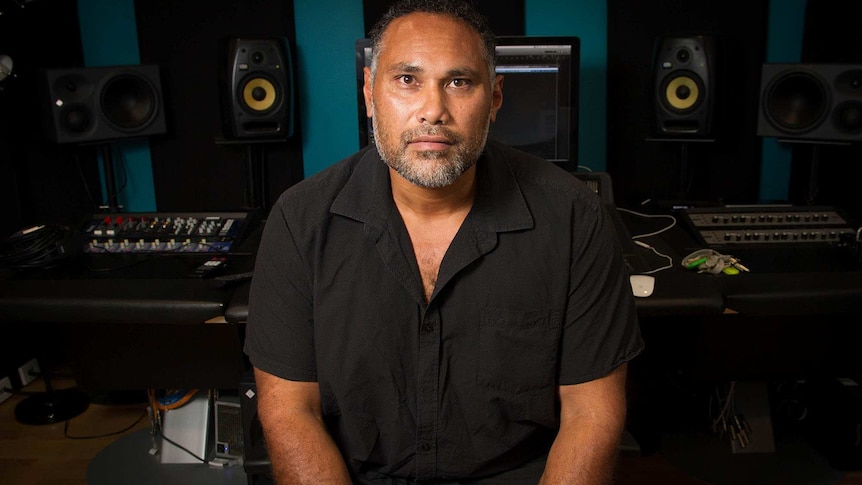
x=425, y=447
x=428, y=327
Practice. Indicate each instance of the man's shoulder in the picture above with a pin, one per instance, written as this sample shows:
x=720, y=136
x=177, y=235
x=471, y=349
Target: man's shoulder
x=323, y=186
x=532, y=171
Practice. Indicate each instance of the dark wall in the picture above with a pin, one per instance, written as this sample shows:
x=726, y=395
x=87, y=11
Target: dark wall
x=724, y=170
x=193, y=170
x=505, y=18
x=825, y=174
x=39, y=181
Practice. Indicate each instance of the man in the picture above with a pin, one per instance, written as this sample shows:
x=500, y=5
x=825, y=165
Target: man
x=445, y=310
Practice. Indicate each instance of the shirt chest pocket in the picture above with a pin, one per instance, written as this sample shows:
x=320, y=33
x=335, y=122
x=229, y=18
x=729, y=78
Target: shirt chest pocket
x=518, y=349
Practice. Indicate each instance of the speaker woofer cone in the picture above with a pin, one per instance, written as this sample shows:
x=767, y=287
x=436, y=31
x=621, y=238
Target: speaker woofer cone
x=259, y=95
x=76, y=119
x=847, y=117
x=129, y=102
x=681, y=93
x=796, y=102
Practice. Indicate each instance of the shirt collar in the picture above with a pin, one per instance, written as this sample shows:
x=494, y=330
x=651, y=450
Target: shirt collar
x=499, y=204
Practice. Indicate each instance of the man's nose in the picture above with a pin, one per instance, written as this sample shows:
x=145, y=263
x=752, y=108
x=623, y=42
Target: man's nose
x=434, y=109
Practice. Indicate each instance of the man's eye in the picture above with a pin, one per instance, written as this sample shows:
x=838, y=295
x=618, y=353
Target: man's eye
x=407, y=79
x=460, y=83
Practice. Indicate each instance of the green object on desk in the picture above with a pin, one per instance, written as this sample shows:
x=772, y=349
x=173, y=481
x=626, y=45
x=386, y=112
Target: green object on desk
x=696, y=263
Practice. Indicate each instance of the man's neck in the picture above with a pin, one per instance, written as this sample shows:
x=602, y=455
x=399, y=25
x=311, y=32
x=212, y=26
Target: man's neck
x=427, y=203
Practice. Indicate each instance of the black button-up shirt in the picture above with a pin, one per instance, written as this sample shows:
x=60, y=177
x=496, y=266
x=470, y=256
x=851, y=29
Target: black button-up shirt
x=531, y=294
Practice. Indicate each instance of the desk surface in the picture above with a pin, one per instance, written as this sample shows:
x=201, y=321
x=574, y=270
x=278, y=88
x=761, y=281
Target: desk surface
x=150, y=313
x=782, y=281
x=161, y=290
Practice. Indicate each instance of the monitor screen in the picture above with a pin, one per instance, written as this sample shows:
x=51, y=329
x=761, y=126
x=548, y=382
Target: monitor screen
x=540, y=96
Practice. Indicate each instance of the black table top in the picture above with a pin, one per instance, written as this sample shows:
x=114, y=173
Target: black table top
x=163, y=288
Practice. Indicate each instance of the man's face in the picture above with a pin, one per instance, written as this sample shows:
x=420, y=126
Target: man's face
x=432, y=98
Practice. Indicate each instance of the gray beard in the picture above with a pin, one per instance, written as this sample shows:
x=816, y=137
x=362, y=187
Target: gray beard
x=440, y=170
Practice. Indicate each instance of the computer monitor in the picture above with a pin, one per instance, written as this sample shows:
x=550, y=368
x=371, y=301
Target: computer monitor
x=540, y=96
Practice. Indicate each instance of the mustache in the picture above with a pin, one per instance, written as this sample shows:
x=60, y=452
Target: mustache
x=439, y=131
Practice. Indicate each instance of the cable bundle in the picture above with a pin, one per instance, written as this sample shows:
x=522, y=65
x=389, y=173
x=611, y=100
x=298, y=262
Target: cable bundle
x=35, y=247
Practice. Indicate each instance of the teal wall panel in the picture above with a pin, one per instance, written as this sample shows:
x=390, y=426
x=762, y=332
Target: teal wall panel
x=109, y=37
x=588, y=21
x=326, y=31
x=784, y=44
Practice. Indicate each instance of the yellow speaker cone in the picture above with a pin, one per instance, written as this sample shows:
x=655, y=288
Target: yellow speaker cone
x=259, y=94
x=682, y=93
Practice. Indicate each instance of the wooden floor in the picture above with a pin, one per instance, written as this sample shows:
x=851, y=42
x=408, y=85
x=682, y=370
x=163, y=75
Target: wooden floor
x=58, y=454
x=48, y=454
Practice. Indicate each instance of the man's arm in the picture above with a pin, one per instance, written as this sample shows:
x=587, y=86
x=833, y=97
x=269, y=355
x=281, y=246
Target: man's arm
x=300, y=449
x=592, y=419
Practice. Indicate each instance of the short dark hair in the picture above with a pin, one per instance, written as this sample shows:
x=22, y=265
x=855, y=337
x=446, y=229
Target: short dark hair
x=463, y=10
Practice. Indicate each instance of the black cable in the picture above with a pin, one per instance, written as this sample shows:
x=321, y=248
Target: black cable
x=196, y=457
x=84, y=183
x=35, y=247
x=113, y=433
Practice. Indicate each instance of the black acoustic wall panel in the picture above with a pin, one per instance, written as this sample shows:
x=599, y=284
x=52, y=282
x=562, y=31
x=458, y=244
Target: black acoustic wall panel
x=90, y=104
x=196, y=166
x=39, y=181
x=819, y=173
x=649, y=168
x=505, y=18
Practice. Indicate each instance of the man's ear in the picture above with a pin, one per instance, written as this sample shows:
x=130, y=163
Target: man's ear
x=366, y=90
x=496, y=96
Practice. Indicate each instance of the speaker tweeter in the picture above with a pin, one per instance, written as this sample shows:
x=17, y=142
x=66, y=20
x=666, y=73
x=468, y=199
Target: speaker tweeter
x=684, y=85
x=811, y=102
x=258, y=88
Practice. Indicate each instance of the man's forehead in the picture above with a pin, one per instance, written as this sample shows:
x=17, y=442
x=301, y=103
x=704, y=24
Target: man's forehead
x=409, y=37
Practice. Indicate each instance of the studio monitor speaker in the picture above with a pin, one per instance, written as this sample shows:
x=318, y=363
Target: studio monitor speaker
x=814, y=102
x=258, y=88
x=91, y=104
x=684, y=85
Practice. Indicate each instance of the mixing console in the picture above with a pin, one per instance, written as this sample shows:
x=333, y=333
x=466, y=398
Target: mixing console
x=763, y=225
x=195, y=232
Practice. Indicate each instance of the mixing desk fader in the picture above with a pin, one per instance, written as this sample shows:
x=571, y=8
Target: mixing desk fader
x=761, y=225
x=163, y=232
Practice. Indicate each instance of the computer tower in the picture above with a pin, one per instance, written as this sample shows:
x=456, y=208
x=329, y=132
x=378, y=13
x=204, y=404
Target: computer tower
x=187, y=426
x=228, y=428
x=255, y=457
